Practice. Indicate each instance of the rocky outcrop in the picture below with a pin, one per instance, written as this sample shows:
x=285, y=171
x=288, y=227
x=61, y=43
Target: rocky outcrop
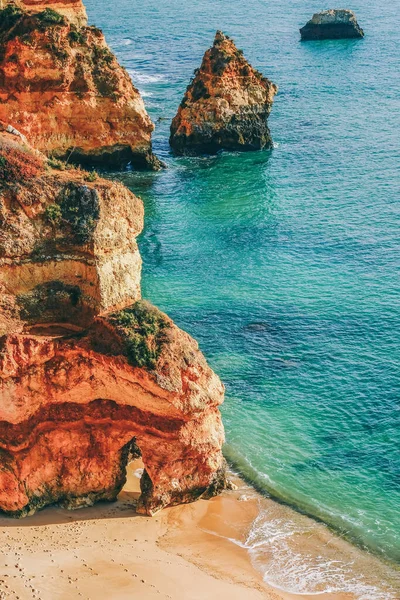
x=74, y=10
x=226, y=105
x=68, y=246
x=62, y=87
x=332, y=25
x=91, y=375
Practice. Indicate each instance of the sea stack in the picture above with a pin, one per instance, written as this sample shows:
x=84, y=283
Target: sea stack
x=90, y=374
x=226, y=105
x=62, y=87
x=332, y=24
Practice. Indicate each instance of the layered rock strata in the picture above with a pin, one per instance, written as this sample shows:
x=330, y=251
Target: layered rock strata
x=331, y=25
x=68, y=246
x=62, y=87
x=91, y=375
x=226, y=105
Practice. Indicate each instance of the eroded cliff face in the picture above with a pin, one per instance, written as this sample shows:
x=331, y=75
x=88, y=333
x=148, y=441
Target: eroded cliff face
x=68, y=246
x=226, y=106
x=90, y=375
x=62, y=87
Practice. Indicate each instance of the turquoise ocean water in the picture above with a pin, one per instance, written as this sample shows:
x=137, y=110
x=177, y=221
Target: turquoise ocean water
x=285, y=264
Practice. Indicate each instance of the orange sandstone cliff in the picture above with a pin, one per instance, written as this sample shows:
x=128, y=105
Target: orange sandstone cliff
x=91, y=375
x=74, y=10
x=62, y=87
x=226, y=105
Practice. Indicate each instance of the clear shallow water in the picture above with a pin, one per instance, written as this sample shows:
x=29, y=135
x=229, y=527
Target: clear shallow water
x=285, y=265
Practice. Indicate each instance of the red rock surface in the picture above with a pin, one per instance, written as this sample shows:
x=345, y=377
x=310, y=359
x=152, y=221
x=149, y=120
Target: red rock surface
x=62, y=87
x=226, y=105
x=69, y=417
x=88, y=379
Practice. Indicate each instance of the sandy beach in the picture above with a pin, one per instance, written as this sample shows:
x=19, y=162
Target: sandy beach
x=108, y=551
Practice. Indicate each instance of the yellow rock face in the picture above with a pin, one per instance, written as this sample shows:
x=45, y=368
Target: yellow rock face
x=68, y=246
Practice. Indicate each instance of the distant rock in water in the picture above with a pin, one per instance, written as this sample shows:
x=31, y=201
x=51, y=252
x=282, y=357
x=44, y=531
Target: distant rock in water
x=226, y=105
x=332, y=24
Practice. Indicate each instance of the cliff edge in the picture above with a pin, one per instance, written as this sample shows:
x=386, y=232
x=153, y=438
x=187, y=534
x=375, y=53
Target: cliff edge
x=90, y=374
x=62, y=87
x=74, y=10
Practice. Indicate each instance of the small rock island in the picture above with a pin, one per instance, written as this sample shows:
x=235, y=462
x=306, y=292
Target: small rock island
x=226, y=105
x=332, y=24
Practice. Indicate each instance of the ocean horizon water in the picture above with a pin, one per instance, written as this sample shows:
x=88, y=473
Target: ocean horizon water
x=285, y=264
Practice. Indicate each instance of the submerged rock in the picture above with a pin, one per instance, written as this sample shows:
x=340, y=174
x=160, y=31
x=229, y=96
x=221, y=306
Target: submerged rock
x=91, y=375
x=226, y=106
x=62, y=87
x=332, y=24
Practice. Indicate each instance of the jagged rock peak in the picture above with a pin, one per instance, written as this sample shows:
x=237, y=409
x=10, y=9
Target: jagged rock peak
x=226, y=105
x=74, y=10
x=332, y=24
x=62, y=87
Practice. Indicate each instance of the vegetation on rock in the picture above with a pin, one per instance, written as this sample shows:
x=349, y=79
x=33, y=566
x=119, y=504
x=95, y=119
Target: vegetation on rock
x=80, y=209
x=51, y=16
x=53, y=214
x=143, y=330
x=49, y=302
x=9, y=15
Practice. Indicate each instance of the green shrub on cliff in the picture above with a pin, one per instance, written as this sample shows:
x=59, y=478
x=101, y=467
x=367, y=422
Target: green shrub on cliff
x=143, y=329
x=76, y=37
x=9, y=16
x=53, y=214
x=55, y=163
x=80, y=210
x=91, y=176
x=51, y=16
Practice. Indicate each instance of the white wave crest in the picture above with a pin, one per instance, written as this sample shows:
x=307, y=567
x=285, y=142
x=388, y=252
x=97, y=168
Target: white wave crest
x=139, y=77
x=272, y=547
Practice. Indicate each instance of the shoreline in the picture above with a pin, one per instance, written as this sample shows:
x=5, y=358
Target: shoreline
x=246, y=473
x=186, y=552
x=231, y=521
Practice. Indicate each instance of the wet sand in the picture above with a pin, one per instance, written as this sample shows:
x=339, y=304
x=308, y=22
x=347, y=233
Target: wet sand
x=108, y=551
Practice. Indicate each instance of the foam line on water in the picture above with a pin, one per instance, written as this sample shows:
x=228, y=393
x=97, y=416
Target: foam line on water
x=299, y=573
x=269, y=545
x=140, y=77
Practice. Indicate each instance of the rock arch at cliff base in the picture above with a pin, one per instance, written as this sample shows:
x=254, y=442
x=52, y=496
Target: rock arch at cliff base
x=86, y=366
x=62, y=442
